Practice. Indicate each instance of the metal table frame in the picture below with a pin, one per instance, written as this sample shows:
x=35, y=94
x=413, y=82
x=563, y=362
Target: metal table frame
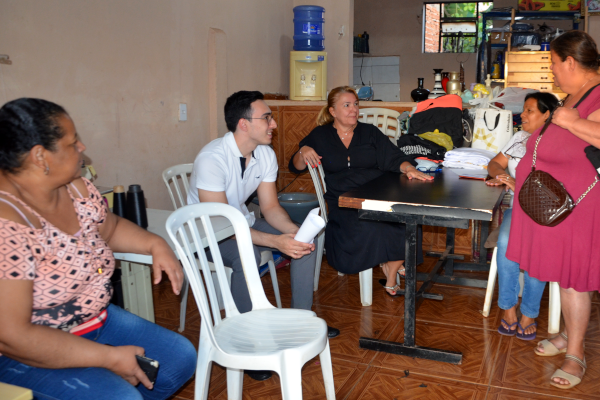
x=414, y=215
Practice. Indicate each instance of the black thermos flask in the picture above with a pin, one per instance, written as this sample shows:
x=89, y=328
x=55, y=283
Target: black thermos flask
x=136, y=207
x=119, y=201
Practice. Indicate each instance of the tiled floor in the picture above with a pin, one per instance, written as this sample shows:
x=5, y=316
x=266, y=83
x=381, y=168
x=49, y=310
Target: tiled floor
x=494, y=367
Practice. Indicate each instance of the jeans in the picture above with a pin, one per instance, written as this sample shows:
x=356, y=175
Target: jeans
x=508, y=278
x=302, y=271
x=176, y=355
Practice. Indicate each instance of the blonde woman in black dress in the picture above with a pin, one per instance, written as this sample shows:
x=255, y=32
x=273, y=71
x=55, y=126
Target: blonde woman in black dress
x=353, y=153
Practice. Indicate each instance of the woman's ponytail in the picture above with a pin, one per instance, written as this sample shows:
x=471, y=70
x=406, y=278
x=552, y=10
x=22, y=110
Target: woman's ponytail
x=324, y=116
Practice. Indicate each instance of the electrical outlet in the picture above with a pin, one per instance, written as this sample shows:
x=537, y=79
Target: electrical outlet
x=182, y=112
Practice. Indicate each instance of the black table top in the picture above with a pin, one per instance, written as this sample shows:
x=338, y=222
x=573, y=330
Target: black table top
x=447, y=195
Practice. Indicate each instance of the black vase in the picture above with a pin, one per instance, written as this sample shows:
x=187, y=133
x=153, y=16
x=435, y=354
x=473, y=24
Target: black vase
x=135, y=210
x=419, y=94
x=119, y=201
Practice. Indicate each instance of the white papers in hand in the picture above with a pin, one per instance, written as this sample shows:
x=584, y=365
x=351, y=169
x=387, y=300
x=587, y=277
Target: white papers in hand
x=310, y=227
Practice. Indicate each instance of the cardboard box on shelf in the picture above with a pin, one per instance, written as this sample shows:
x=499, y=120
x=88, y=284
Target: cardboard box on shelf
x=498, y=37
x=550, y=5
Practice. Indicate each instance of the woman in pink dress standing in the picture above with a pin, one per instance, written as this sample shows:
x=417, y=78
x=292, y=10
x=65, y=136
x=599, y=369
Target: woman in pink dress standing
x=568, y=253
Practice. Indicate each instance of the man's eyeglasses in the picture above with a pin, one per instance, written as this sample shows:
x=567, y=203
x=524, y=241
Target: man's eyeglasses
x=268, y=118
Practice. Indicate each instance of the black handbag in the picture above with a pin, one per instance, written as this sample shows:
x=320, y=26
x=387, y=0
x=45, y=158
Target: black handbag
x=543, y=198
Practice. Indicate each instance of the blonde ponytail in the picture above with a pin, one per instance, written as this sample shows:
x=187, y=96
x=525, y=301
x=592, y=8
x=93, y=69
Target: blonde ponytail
x=325, y=116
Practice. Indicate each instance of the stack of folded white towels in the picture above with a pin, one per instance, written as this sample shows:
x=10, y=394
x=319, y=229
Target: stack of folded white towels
x=468, y=158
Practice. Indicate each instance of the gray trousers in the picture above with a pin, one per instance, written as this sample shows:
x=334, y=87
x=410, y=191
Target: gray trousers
x=301, y=275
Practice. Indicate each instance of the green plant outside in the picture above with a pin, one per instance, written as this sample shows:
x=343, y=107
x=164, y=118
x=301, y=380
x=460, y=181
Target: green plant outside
x=465, y=10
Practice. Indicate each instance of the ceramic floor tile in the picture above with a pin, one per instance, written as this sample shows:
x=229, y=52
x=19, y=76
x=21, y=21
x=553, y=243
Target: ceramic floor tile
x=345, y=293
x=508, y=394
x=379, y=383
x=344, y=372
x=500, y=367
x=518, y=368
x=353, y=325
x=478, y=347
x=461, y=306
x=328, y=278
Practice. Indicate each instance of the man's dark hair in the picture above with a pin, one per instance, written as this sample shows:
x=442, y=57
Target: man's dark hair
x=238, y=106
x=25, y=123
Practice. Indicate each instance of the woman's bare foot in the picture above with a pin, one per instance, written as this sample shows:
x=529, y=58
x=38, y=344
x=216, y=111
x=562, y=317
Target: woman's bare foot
x=389, y=270
x=558, y=341
x=510, y=317
x=571, y=367
x=525, y=323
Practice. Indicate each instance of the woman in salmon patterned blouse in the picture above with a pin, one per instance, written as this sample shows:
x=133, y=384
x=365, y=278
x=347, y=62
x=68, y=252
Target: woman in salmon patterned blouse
x=59, y=335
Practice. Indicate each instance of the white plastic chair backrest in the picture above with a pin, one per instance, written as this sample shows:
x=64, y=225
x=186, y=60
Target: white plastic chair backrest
x=386, y=120
x=318, y=176
x=173, y=176
x=183, y=230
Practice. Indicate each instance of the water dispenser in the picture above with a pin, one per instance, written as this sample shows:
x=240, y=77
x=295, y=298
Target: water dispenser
x=308, y=75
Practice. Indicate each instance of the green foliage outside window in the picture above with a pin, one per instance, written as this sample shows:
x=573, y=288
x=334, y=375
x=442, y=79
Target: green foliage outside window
x=463, y=10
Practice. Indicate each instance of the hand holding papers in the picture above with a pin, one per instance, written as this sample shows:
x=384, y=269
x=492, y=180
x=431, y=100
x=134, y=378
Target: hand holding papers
x=310, y=227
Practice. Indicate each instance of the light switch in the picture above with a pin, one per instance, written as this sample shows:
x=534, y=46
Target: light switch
x=182, y=112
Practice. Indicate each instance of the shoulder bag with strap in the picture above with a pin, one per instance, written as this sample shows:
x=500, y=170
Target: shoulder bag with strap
x=544, y=199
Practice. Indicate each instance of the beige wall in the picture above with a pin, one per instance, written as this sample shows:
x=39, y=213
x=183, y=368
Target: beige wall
x=395, y=28
x=339, y=48
x=594, y=28
x=122, y=67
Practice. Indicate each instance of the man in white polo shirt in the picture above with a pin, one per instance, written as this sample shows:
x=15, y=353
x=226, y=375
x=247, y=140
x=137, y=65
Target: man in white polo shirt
x=229, y=170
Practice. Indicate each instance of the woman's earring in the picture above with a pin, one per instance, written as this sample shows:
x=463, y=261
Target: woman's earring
x=47, y=170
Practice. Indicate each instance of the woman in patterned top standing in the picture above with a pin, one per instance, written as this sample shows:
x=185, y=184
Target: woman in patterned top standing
x=59, y=336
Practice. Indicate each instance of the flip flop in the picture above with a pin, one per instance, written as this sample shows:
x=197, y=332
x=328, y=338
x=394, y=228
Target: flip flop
x=507, y=331
x=524, y=336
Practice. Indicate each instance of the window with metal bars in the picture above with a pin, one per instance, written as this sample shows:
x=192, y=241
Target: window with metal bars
x=453, y=27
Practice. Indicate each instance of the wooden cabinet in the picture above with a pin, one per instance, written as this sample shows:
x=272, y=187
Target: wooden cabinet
x=530, y=69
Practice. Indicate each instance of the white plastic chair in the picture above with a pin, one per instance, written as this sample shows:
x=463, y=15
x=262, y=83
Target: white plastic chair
x=365, y=277
x=266, y=338
x=175, y=177
x=554, y=291
x=386, y=120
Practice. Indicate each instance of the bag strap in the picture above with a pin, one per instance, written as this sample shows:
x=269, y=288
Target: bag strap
x=596, y=178
x=495, y=124
x=587, y=191
x=548, y=122
x=585, y=95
